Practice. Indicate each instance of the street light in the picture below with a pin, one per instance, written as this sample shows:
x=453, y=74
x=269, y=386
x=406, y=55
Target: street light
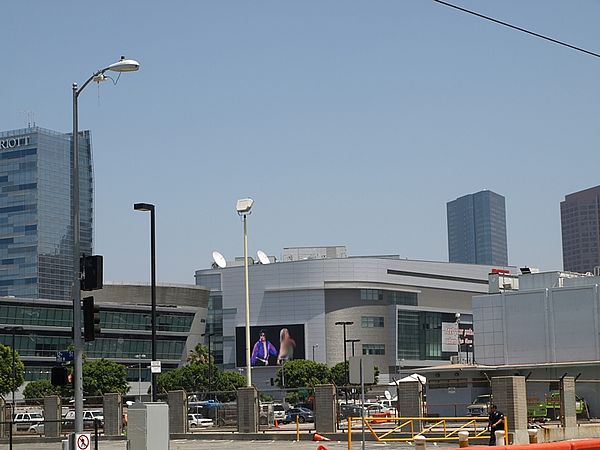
x=14, y=380
x=313, y=347
x=353, y=341
x=150, y=208
x=123, y=65
x=139, y=358
x=209, y=335
x=344, y=324
x=243, y=207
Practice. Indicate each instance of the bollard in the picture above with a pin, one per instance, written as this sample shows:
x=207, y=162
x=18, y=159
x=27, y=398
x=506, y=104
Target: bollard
x=499, y=437
x=420, y=442
x=463, y=439
x=533, y=435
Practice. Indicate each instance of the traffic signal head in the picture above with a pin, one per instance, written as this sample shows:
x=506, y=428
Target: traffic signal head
x=91, y=319
x=91, y=270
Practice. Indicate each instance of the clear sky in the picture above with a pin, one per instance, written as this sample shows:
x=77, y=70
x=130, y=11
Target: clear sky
x=349, y=122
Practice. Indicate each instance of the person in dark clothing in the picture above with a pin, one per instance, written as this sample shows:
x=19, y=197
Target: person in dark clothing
x=496, y=422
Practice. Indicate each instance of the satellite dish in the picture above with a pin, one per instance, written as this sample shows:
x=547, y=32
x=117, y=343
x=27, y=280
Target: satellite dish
x=387, y=395
x=219, y=259
x=262, y=257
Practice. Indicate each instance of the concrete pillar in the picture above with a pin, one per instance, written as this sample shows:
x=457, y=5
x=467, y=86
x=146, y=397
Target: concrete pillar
x=410, y=400
x=178, y=410
x=325, y=408
x=463, y=439
x=3, y=418
x=420, y=442
x=52, y=416
x=509, y=394
x=568, y=413
x=247, y=405
x=113, y=414
x=533, y=435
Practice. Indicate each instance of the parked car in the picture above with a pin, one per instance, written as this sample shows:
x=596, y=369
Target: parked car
x=37, y=428
x=480, y=406
x=278, y=412
x=89, y=416
x=24, y=420
x=303, y=415
x=197, y=421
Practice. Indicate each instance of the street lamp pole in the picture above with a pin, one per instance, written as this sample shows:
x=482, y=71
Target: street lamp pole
x=344, y=324
x=124, y=65
x=139, y=358
x=313, y=349
x=243, y=208
x=150, y=208
x=209, y=335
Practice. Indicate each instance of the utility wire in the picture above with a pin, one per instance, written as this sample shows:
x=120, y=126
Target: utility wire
x=514, y=27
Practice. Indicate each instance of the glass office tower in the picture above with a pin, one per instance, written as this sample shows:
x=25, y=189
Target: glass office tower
x=36, y=233
x=477, y=229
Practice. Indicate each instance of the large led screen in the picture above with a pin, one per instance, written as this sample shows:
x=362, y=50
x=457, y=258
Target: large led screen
x=270, y=345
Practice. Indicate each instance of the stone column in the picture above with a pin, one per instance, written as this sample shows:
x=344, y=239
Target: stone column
x=410, y=400
x=510, y=395
x=178, y=409
x=113, y=414
x=3, y=419
x=325, y=408
x=52, y=416
x=568, y=413
x=247, y=406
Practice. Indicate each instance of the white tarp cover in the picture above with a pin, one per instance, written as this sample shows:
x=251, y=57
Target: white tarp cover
x=412, y=377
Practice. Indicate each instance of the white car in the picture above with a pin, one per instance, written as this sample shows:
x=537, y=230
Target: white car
x=24, y=420
x=278, y=412
x=197, y=421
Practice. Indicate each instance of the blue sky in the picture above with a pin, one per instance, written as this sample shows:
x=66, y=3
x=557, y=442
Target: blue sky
x=349, y=123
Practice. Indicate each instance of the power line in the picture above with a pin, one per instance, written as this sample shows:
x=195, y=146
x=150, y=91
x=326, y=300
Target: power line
x=514, y=27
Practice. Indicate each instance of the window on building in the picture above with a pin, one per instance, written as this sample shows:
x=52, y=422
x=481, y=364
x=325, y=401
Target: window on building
x=373, y=349
x=372, y=322
x=371, y=294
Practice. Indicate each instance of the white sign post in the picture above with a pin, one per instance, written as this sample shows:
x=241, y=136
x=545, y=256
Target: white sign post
x=155, y=366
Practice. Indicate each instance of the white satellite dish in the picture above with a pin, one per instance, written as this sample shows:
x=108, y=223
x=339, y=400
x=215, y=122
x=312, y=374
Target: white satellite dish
x=262, y=257
x=219, y=259
x=387, y=395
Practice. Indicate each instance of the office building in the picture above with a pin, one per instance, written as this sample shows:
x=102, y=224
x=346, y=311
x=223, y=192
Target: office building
x=36, y=233
x=404, y=312
x=580, y=224
x=477, y=229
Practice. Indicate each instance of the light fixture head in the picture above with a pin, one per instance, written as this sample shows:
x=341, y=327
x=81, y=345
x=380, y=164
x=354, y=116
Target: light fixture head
x=124, y=65
x=143, y=207
x=244, y=205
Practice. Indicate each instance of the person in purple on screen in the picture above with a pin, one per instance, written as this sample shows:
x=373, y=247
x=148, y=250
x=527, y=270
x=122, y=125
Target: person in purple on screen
x=262, y=350
x=286, y=346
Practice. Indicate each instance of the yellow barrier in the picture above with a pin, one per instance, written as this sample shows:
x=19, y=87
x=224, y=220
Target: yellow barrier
x=403, y=429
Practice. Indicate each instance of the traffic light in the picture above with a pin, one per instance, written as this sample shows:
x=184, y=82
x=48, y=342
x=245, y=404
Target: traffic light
x=91, y=319
x=58, y=376
x=91, y=271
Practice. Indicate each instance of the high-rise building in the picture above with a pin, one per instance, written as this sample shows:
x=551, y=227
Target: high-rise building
x=580, y=224
x=477, y=229
x=36, y=231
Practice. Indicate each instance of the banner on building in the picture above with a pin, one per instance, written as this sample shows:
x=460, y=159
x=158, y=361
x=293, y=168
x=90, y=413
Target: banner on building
x=270, y=345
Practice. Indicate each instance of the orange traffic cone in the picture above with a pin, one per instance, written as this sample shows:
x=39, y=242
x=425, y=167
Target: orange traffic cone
x=276, y=424
x=321, y=447
x=318, y=437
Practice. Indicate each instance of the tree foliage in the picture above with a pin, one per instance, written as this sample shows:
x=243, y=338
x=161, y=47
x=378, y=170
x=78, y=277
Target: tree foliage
x=200, y=355
x=302, y=373
x=39, y=389
x=103, y=376
x=7, y=381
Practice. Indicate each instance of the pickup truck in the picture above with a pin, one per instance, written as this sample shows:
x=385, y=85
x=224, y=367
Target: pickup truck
x=89, y=415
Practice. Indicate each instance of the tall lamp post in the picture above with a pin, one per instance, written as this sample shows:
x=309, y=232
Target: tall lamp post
x=124, y=65
x=13, y=330
x=313, y=348
x=243, y=207
x=150, y=208
x=209, y=335
x=139, y=358
x=344, y=324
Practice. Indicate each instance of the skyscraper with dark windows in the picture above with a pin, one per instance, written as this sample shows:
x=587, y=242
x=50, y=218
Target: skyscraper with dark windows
x=477, y=229
x=580, y=225
x=36, y=231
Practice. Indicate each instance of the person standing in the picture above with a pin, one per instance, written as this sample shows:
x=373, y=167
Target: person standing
x=286, y=346
x=496, y=422
x=262, y=350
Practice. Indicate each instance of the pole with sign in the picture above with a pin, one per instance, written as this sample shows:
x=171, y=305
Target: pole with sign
x=362, y=370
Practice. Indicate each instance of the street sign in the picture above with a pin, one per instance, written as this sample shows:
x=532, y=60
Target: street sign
x=368, y=369
x=83, y=441
x=64, y=356
x=155, y=366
